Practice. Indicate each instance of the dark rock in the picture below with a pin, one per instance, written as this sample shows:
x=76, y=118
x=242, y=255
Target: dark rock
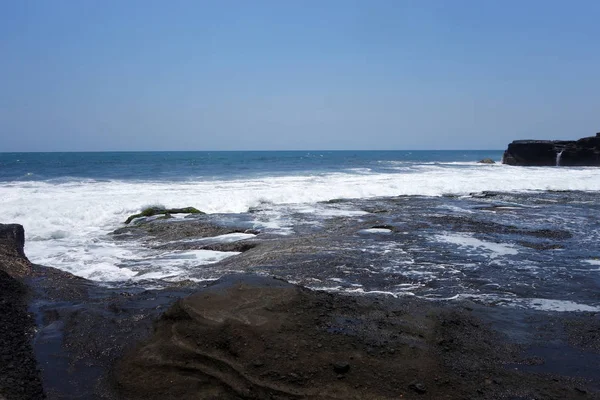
x=19, y=376
x=152, y=211
x=205, y=339
x=341, y=367
x=176, y=230
x=12, y=257
x=418, y=387
x=582, y=152
x=487, y=161
x=239, y=246
x=384, y=226
x=541, y=246
x=484, y=194
x=335, y=201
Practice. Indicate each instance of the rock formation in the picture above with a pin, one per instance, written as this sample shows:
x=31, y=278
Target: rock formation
x=248, y=337
x=541, y=153
x=254, y=337
x=152, y=211
x=19, y=377
x=12, y=257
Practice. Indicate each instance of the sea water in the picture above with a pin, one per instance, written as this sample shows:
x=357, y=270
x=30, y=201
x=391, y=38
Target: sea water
x=70, y=202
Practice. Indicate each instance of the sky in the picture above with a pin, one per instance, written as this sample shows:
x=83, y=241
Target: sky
x=85, y=75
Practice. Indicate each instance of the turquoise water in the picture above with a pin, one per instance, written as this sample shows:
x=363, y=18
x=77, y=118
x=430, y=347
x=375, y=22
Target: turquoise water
x=217, y=165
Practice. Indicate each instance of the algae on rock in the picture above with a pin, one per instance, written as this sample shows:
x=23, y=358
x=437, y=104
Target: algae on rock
x=152, y=211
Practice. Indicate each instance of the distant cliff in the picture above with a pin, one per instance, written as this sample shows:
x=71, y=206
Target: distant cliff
x=567, y=153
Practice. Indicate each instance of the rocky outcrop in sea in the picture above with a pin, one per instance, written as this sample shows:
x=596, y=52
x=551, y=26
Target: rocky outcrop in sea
x=564, y=153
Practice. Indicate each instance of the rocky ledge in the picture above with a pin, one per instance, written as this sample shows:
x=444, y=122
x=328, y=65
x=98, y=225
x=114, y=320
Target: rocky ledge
x=255, y=337
x=249, y=337
x=567, y=153
x=19, y=376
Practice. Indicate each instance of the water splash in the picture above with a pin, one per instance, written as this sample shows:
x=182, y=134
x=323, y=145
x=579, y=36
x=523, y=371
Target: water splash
x=558, y=156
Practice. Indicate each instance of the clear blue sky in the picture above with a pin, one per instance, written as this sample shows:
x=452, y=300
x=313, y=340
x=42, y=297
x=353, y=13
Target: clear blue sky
x=248, y=75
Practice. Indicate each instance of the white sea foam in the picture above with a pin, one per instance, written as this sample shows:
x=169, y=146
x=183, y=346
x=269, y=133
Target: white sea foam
x=467, y=241
x=226, y=238
x=377, y=230
x=557, y=305
x=66, y=220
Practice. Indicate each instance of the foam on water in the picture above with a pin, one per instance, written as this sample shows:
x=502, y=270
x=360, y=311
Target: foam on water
x=557, y=305
x=66, y=220
x=467, y=241
x=226, y=238
x=175, y=265
x=533, y=303
x=377, y=230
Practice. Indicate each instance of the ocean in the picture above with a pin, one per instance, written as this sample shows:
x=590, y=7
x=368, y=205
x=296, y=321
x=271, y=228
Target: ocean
x=452, y=227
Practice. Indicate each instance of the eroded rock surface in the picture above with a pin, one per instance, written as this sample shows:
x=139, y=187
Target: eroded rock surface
x=248, y=337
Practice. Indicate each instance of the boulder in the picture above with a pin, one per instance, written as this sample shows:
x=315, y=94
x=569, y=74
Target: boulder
x=486, y=161
x=582, y=152
x=12, y=258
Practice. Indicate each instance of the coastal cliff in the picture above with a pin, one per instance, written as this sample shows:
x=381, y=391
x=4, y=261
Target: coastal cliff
x=564, y=153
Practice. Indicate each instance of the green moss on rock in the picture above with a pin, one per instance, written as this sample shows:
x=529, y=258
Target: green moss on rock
x=152, y=211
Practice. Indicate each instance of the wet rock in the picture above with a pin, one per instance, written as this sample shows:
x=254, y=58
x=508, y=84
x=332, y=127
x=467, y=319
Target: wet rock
x=238, y=246
x=541, y=246
x=12, y=258
x=173, y=230
x=385, y=226
x=240, y=320
x=486, y=161
x=19, y=376
x=341, y=367
x=484, y=194
x=467, y=224
x=418, y=387
x=335, y=201
x=152, y=211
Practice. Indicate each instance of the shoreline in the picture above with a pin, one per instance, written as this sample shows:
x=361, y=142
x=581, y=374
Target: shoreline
x=106, y=340
x=102, y=339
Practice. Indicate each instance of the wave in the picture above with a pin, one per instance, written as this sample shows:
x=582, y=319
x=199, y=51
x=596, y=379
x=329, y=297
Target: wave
x=47, y=207
x=65, y=220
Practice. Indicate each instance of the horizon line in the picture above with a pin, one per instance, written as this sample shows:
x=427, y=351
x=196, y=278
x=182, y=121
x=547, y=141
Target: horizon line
x=234, y=151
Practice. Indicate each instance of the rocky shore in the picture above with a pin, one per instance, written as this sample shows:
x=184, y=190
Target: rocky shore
x=248, y=336
x=19, y=376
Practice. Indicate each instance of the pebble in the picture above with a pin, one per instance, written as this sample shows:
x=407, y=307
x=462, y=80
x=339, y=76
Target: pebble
x=418, y=387
x=341, y=367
